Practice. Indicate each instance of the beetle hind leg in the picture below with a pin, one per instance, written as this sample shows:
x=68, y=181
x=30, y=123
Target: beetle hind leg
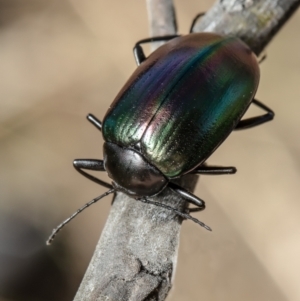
x=91, y=164
x=138, y=51
x=258, y=120
x=195, y=21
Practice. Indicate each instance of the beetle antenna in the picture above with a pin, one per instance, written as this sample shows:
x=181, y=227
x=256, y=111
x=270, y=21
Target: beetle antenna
x=59, y=227
x=184, y=215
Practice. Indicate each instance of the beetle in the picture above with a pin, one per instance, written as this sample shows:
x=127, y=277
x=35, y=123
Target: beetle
x=175, y=110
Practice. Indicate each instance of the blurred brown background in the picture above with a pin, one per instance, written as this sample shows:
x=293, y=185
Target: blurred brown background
x=63, y=59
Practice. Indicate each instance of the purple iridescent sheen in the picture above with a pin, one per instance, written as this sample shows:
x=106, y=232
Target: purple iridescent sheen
x=184, y=100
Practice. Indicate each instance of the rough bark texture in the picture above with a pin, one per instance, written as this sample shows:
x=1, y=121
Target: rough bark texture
x=162, y=19
x=254, y=21
x=136, y=256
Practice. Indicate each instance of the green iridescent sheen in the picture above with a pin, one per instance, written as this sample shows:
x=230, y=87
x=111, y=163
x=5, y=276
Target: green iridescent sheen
x=184, y=100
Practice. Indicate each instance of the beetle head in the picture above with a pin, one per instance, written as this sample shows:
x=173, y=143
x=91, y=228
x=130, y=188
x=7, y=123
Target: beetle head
x=131, y=172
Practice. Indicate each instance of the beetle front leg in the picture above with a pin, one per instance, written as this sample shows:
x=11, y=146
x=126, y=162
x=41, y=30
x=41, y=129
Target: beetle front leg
x=214, y=170
x=91, y=164
x=254, y=121
x=189, y=197
x=138, y=51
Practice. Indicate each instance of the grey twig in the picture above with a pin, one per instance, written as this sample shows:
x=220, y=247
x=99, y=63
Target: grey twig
x=162, y=19
x=254, y=21
x=135, y=258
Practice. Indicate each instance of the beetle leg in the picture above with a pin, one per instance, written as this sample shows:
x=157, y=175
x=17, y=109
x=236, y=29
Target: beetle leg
x=254, y=121
x=138, y=51
x=91, y=164
x=214, y=170
x=262, y=58
x=189, y=197
x=94, y=121
x=195, y=21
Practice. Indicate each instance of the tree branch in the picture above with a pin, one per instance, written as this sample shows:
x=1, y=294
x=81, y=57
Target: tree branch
x=254, y=21
x=162, y=19
x=135, y=258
